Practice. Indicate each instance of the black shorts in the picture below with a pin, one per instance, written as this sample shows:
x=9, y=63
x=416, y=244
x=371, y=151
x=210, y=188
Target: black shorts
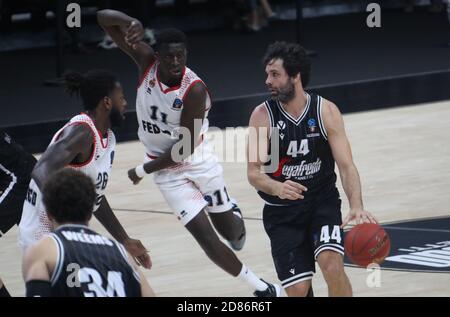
x=299, y=233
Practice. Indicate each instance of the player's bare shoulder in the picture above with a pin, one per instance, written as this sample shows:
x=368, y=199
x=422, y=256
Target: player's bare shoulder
x=259, y=116
x=78, y=136
x=331, y=115
x=196, y=91
x=44, y=252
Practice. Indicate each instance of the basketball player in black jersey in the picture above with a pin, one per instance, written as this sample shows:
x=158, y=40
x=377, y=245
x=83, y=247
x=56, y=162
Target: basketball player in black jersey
x=302, y=214
x=15, y=169
x=75, y=261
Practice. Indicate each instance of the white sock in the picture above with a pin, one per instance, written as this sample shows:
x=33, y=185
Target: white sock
x=250, y=278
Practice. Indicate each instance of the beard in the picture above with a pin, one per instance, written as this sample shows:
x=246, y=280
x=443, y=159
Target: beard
x=116, y=118
x=286, y=93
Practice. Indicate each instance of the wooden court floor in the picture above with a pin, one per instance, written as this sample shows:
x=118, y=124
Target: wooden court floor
x=403, y=156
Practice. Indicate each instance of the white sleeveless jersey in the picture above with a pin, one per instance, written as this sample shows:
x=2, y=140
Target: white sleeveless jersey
x=34, y=223
x=158, y=110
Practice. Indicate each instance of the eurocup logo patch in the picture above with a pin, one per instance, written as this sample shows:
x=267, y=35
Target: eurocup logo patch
x=151, y=84
x=312, y=125
x=177, y=104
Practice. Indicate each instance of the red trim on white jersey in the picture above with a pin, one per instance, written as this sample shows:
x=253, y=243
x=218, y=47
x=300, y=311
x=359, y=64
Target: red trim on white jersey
x=210, y=97
x=151, y=156
x=94, y=143
x=170, y=88
x=101, y=139
x=141, y=80
x=190, y=87
x=99, y=132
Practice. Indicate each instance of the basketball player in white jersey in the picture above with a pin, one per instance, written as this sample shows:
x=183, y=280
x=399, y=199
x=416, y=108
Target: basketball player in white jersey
x=85, y=143
x=170, y=96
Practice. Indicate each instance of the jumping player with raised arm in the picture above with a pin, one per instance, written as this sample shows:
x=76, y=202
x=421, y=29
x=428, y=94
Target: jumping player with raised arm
x=171, y=98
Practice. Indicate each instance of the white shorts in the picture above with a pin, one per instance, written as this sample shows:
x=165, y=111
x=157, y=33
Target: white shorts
x=191, y=186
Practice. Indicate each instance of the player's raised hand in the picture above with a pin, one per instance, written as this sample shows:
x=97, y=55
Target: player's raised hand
x=290, y=190
x=133, y=176
x=138, y=251
x=134, y=33
x=359, y=216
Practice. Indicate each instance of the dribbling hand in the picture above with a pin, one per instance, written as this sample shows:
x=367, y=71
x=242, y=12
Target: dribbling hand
x=360, y=216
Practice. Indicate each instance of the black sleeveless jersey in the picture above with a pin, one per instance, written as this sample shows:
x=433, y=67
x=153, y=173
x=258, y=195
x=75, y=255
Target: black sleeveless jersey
x=90, y=265
x=15, y=162
x=304, y=153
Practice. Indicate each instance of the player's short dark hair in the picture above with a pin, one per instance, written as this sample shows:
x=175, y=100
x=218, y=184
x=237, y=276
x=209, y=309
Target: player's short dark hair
x=295, y=59
x=91, y=87
x=69, y=196
x=169, y=36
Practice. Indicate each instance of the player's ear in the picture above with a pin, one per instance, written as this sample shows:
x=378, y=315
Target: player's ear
x=107, y=102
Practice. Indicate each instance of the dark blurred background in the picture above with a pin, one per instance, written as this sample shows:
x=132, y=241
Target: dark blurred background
x=405, y=61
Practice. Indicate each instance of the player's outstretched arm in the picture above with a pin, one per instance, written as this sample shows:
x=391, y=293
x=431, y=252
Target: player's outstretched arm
x=127, y=33
x=108, y=219
x=75, y=143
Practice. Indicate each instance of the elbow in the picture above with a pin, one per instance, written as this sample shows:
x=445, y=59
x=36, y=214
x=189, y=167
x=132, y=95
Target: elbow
x=253, y=173
x=190, y=148
x=251, y=178
x=99, y=15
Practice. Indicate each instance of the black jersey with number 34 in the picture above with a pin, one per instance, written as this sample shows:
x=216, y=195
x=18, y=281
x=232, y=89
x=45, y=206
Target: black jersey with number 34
x=304, y=153
x=91, y=265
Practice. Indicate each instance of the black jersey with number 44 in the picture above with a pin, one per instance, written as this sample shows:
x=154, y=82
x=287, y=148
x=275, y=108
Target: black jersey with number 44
x=304, y=153
x=91, y=265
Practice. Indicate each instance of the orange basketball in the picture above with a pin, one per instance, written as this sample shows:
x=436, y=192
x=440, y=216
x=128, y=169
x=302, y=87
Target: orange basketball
x=367, y=243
